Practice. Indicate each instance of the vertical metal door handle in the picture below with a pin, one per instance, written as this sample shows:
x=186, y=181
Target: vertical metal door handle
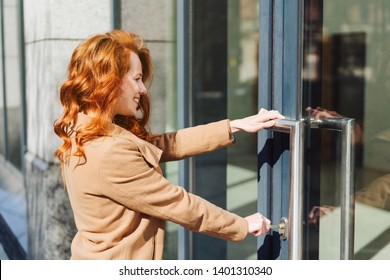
x=295, y=219
x=347, y=204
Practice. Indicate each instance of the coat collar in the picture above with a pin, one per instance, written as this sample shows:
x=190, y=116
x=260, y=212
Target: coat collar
x=151, y=153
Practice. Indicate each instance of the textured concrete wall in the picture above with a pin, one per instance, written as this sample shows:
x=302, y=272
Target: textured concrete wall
x=155, y=20
x=52, y=31
x=50, y=221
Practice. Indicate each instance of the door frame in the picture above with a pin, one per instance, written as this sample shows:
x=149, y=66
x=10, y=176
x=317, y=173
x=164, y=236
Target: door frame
x=280, y=52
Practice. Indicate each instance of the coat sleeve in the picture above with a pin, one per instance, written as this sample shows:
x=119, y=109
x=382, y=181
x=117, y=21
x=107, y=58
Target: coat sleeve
x=194, y=140
x=126, y=177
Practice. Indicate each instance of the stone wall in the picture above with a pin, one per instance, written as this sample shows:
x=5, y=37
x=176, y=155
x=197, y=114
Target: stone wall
x=52, y=31
x=155, y=20
x=50, y=221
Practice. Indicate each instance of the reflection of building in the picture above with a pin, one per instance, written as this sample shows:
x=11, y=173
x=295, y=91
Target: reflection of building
x=206, y=55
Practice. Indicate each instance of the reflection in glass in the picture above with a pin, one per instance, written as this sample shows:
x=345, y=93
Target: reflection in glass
x=2, y=124
x=209, y=98
x=2, y=127
x=224, y=81
x=243, y=27
x=12, y=90
x=345, y=74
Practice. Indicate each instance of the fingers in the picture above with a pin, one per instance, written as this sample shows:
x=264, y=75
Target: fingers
x=262, y=110
x=266, y=115
x=258, y=224
x=267, y=118
x=267, y=124
x=321, y=113
x=317, y=212
x=254, y=123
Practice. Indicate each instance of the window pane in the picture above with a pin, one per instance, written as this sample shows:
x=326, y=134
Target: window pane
x=209, y=96
x=346, y=71
x=12, y=78
x=2, y=127
x=224, y=68
x=243, y=29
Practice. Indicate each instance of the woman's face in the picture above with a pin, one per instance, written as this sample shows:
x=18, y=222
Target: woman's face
x=132, y=89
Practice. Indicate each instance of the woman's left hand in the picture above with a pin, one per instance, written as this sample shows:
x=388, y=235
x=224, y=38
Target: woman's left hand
x=258, y=224
x=252, y=124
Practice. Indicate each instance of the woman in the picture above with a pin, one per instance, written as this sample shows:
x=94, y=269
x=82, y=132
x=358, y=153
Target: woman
x=110, y=161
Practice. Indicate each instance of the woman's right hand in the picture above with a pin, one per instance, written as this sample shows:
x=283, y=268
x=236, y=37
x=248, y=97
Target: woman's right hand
x=258, y=224
x=254, y=123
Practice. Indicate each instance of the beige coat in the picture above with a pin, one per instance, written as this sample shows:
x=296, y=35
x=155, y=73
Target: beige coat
x=121, y=201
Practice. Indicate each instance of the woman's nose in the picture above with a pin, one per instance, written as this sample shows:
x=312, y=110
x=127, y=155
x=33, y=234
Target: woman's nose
x=143, y=89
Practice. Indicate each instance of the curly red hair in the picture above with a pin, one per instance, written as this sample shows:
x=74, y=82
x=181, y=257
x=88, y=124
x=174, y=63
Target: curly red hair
x=95, y=74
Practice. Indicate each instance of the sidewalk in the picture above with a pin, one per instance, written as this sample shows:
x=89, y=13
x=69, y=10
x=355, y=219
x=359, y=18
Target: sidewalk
x=10, y=247
x=3, y=254
x=13, y=217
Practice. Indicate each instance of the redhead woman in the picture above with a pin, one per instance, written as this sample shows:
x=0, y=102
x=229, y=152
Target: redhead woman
x=110, y=161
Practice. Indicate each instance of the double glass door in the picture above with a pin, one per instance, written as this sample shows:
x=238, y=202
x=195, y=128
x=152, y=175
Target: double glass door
x=324, y=172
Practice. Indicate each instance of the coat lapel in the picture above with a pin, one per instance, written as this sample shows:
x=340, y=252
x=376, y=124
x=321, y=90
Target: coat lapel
x=151, y=153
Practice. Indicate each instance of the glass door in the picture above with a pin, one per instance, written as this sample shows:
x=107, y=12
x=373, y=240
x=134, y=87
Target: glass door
x=223, y=81
x=345, y=76
x=280, y=150
x=324, y=65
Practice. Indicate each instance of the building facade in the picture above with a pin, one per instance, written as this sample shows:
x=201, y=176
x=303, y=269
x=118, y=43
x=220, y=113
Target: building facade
x=321, y=63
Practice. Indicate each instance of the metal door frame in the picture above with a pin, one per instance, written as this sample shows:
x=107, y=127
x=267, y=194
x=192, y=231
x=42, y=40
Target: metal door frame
x=279, y=89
